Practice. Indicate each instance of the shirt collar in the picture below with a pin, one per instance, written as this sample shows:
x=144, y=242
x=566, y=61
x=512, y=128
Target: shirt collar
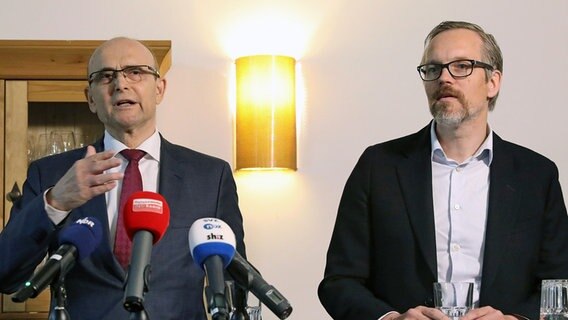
x=151, y=145
x=485, y=151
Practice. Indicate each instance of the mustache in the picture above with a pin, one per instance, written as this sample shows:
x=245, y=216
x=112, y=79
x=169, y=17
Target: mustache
x=446, y=91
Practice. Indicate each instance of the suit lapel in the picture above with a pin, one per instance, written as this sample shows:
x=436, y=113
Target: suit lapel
x=503, y=203
x=171, y=179
x=415, y=176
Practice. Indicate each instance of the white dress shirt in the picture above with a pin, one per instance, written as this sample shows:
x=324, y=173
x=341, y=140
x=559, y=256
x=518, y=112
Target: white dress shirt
x=149, y=169
x=460, y=197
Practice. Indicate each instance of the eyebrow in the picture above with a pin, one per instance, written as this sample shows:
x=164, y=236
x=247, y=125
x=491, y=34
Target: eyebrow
x=124, y=67
x=452, y=59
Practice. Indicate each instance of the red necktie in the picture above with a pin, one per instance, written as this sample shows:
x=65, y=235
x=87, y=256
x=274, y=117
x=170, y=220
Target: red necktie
x=131, y=183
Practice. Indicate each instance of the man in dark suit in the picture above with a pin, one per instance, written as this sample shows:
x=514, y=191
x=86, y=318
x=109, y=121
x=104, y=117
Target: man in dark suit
x=124, y=91
x=452, y=202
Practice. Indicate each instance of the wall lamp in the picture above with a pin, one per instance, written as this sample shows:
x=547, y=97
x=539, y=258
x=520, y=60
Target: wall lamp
x=266, y=113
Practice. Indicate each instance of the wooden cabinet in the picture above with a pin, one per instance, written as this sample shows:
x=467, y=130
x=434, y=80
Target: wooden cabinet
x=42, y=91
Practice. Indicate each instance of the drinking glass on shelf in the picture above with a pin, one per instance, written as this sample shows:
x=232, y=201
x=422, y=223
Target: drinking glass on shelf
x=42, y=146
x=67, y=139
x=55, y=144
x=31, y=147
x=554, y=299
x=83, y=140
x=454, y=299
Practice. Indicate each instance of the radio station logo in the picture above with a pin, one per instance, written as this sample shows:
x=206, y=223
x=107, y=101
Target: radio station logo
x=147, y=205
x=213, y=236
x=85, y=221
x=210, y=226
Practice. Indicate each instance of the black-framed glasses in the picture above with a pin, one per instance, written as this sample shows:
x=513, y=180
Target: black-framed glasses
x=131, y=73
x=458, y=69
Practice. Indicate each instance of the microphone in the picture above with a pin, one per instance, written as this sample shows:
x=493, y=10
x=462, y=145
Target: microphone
x=146, y=218
x=212, y=245
x=247, y=276
x=76, y=242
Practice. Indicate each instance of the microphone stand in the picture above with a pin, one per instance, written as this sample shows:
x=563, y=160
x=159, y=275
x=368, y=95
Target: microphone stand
x=138, y=315
x=218, y=307
x=59, y=295
x=239, y=303
x=134, y=304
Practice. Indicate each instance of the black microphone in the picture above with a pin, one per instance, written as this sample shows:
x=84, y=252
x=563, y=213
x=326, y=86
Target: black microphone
x=246, y=275
x=146, y=218
x=212, y=246
x=77, y=242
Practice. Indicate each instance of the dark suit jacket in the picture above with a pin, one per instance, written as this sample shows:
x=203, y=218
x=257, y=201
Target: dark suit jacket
x=382, y=255
x=194, y=186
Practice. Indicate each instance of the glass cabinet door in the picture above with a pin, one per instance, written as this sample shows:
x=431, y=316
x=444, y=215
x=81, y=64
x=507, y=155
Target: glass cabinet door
x=42, y=118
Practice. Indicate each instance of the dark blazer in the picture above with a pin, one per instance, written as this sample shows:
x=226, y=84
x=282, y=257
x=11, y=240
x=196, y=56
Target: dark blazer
x=382, y=255
x=194, y=186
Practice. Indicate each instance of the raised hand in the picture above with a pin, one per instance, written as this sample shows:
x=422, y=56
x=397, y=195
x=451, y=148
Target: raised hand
x=85, y=180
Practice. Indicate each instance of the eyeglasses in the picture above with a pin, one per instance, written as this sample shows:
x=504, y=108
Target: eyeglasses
x=131, y=73
x=457, y=68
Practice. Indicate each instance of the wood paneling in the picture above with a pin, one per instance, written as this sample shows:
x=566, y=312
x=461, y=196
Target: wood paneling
x=57, y=91
x=2, y=193
x=61, y=59
x=15, y=132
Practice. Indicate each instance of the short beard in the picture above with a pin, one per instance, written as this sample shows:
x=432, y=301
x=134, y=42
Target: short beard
x=439, y=109
x=453, y=119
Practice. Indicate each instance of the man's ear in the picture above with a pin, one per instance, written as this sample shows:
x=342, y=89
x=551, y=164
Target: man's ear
x=161, y=84
x=90, y=100
x=494, y=84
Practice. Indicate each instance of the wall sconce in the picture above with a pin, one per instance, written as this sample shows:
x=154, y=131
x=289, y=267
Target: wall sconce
x=266, y=113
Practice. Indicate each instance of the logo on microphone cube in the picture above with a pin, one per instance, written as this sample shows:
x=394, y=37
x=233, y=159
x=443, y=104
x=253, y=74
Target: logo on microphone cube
x=147, y=206
x=85, y=221
x=213, y=236
x=210, y=226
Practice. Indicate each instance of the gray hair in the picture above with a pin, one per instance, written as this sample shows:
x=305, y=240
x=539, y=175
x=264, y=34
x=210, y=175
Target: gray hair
x=491, y=51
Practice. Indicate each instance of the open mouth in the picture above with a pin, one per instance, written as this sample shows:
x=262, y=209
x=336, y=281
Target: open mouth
x=124, y=103
x=445, y=96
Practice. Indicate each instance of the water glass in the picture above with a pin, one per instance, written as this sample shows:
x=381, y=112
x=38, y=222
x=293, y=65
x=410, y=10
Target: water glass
x=554, y=299
x=454, y=299
x=254, y=307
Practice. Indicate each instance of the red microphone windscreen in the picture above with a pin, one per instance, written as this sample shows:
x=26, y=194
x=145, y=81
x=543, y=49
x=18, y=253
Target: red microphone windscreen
x=148, y=211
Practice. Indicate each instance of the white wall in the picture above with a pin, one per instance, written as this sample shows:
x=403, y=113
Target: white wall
x=358, y=61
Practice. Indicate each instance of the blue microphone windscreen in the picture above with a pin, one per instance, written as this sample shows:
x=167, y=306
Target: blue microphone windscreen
x=203, y=251
x=85, y=234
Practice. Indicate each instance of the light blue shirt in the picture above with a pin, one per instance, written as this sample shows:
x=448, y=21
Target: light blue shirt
x=460, y=195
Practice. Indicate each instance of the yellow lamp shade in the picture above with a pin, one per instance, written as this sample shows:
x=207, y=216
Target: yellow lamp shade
x=266, y=113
